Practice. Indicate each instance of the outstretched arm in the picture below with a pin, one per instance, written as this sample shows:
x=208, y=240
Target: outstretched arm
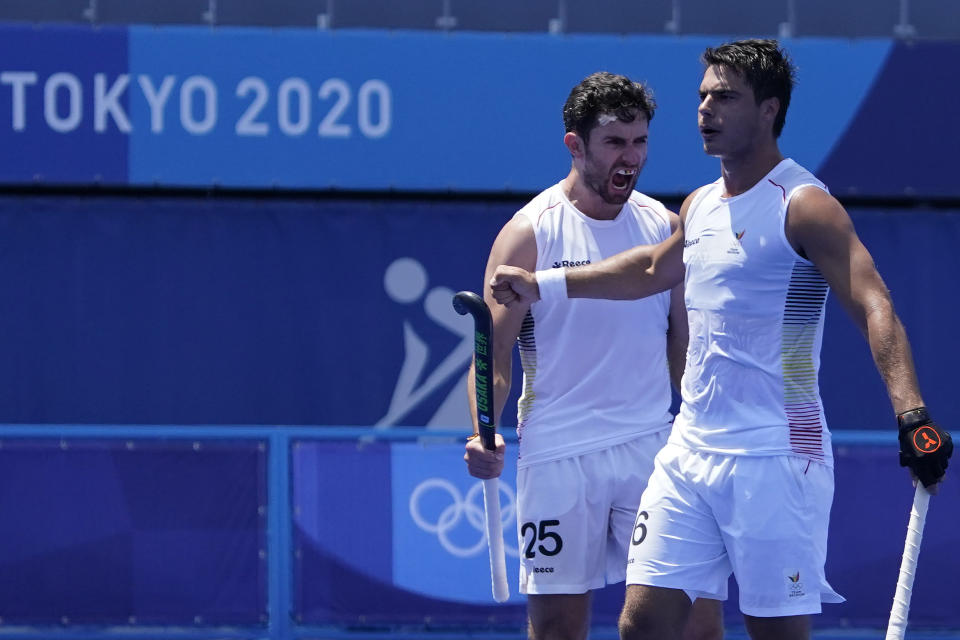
x=820, y=228
x=631, y=274
x=515, y=245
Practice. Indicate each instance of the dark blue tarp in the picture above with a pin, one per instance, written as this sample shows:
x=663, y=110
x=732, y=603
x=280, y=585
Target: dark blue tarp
x=229, y=311
x=132, y=532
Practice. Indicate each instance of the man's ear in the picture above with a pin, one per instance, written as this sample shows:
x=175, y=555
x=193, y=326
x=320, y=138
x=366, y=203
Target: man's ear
x=770, y=108
x=574, y=144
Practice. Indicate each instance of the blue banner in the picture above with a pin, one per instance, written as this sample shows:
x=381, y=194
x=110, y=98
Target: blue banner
x=438, y=524
x=393, y=533
x=60, y=104
x=304, y=109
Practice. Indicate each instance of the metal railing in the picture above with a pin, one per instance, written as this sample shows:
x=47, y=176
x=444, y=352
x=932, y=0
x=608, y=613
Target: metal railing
x=784, y=18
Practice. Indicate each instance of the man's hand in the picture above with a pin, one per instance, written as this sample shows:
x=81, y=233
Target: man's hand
x=513, y=285
x=484, y=464
x=924, y=447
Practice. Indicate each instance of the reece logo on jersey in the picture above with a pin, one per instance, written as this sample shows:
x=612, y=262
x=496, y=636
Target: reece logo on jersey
x=557, y=264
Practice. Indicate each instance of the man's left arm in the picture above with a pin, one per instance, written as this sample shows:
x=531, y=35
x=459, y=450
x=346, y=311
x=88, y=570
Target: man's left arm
x=819, y=228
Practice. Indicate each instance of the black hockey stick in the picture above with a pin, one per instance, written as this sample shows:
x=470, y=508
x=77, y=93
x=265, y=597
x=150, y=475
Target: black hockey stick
x=467, y=302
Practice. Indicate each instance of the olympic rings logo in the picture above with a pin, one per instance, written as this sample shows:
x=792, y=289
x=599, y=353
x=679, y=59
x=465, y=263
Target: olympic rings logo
x=467, y=507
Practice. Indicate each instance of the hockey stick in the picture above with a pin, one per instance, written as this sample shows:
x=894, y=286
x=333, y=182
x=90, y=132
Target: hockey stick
x=467, y=302
x=897, y=626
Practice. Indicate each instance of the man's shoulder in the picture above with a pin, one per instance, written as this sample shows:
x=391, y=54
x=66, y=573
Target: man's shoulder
x=642, y=200
x=700, y=194
x=644, y=205
x=790, y=176
x=548, y=200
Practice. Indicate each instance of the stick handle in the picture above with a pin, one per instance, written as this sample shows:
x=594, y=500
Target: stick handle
x=897, y=626
x=498, y=563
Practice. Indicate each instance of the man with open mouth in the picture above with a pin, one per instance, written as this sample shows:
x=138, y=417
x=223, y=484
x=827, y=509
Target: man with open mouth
x=595, y=404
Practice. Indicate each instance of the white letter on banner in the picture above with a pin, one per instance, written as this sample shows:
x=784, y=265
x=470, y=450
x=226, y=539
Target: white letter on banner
x=209, y=91
x=302, y=123
x=106, y=101
x=329, y=127
x=369, y=89
x=156, y=99
x=72, y=85
x=18, y=81
x=247, y=125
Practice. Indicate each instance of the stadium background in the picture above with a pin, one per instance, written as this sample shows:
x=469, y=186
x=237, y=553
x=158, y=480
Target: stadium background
x=230, y=235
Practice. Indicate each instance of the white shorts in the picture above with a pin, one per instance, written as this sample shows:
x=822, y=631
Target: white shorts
x=575, y=516
x=765, y=519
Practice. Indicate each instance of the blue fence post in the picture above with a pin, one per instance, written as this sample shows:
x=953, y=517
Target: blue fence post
x=279, y=536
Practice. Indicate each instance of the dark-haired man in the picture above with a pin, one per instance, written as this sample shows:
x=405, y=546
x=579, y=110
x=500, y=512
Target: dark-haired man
x=745, y=483
x=596, y=391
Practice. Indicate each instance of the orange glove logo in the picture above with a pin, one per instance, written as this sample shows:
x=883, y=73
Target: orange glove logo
x=926, y=439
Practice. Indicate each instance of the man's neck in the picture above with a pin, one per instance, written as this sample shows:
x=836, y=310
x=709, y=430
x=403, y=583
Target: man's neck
x=740, y=174
x=586, y=200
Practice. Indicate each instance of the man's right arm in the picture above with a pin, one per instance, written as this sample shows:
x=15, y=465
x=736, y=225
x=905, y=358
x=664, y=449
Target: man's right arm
x=635, y=273
x=819, y=226
x=515, y=245
x=678, y=331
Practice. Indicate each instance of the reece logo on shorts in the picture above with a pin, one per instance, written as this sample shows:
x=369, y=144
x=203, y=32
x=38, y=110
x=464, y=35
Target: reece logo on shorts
x=543, y=569
x=794, y=586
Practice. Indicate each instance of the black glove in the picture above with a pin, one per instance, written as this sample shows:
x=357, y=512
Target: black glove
x=924, y=447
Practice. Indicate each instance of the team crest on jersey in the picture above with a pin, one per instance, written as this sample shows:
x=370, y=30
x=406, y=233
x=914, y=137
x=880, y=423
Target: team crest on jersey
x=735, y=245
x=795, y=587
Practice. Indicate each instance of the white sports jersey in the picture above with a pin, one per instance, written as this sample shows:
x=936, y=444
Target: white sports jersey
x=755, y=310
x=594, y=371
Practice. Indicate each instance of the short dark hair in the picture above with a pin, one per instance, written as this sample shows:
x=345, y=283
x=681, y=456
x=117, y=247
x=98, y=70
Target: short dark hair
x=764, y=65
x=604, y=92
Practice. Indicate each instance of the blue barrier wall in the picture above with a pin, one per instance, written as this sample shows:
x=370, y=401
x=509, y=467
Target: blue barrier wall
x=295, y=108
x=221, y=311
x=133, y=532
x=286, y=532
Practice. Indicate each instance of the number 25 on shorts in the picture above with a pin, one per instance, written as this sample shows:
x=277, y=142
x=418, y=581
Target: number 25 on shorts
x=542, y=535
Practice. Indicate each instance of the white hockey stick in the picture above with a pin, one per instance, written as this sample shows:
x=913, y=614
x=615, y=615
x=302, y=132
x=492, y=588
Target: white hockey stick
x=498, y=564
x=467, y=302
x=897, y=626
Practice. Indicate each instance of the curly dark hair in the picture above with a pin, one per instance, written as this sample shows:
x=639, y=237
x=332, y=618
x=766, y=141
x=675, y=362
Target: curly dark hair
x=604, y=92
x=764, y=65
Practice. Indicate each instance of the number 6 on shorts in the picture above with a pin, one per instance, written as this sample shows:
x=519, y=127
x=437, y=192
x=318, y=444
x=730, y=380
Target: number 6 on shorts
x=639, y=528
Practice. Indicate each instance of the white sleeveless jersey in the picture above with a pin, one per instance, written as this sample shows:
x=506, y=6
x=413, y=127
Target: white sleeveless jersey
x=594, y=371
x=755, y=310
